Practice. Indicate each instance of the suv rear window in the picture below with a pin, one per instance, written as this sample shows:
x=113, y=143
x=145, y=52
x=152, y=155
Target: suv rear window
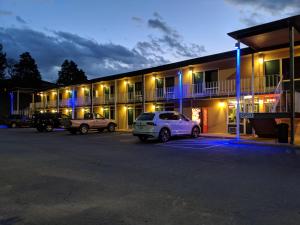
x=169, y=116
x=146, y=116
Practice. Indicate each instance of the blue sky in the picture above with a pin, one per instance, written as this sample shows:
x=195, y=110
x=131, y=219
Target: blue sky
x=111, y=36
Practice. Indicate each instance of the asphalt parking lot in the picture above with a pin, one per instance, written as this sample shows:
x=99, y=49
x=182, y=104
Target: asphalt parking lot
x=113, y=179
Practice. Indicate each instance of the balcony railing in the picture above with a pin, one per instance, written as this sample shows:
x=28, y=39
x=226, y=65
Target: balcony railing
x=262, y=85
x=65, y=102
x=83, y=101
x=51, y=104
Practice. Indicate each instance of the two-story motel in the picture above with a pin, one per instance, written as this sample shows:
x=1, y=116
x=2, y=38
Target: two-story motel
x=203, y=88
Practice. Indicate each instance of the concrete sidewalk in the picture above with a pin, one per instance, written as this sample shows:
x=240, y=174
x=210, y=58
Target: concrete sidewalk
x=249, y=139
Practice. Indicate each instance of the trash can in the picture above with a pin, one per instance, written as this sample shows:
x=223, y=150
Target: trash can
x=283, y=133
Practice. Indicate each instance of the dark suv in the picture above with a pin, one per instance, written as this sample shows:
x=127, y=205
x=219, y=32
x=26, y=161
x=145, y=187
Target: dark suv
x=48, y=121
x=14, y=121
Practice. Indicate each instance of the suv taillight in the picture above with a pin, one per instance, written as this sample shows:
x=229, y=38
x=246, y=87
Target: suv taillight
x=151, y=124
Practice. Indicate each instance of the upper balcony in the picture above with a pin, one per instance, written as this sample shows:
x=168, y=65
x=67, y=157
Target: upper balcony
x=261, y=85
x=130, y=97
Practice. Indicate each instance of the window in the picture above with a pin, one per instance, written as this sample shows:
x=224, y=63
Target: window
x=211, y=76
x=272, y=67
x=286, y=68
x=88, y=116
x=106, y=113
x=169, y=116
x=112, y=113
x=170, y=81
x=112, y=90
x=138, y=86
x=146, y=116
x=198, y=77
x=159, y=83
x=272, y=71
x=182, y=117
x=138, y=112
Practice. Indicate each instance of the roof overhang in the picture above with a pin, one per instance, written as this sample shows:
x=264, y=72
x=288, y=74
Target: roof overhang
x=269, y=35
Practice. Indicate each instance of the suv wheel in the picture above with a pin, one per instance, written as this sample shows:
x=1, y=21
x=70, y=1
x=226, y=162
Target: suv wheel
x=111, y=127
x=49, y=127
x=195, y=132
x=84, y=129
x=164, y=135
x=13, y=125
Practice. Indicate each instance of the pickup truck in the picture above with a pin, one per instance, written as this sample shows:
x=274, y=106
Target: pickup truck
x=91, y=121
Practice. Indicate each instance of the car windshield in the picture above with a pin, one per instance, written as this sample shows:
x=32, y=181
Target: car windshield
x=146, y=116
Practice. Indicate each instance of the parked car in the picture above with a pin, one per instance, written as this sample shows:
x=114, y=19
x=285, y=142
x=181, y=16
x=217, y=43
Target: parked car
x=48, y=121
x=14, y=121
x=93, y=121
x=164, y=125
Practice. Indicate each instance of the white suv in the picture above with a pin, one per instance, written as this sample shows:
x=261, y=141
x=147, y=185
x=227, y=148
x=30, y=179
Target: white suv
x=163, y=125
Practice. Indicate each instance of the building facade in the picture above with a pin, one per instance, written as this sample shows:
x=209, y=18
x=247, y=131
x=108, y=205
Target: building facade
x=204, y=89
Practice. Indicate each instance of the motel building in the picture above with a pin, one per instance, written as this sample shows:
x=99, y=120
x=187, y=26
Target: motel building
x=262, y=80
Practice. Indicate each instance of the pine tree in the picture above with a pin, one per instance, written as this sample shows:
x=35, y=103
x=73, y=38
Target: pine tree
x=26, y=73
x=3, y=63
x=70, y=74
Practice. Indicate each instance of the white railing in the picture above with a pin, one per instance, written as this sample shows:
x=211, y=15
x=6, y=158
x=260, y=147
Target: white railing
x=52, y=104
x=262, y=85
x=65, y=102
x=38, y=105
x=83, y=101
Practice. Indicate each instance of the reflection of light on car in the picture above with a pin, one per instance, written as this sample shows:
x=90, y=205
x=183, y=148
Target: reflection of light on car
x=3, y=126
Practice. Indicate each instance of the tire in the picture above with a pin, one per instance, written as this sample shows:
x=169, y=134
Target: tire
x=164, y=135
x=195, y=132
x=13, y=125
x=143, y=138
x=111, y=127
x=84, y=129
x=49, y=128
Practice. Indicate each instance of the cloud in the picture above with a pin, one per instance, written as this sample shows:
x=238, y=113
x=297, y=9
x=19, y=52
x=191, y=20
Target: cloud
x=137, y=19
x=253, y=12
x=50, y=50
x=5, y=13
x=20, y=20
x=171, y=40
x=272, y=6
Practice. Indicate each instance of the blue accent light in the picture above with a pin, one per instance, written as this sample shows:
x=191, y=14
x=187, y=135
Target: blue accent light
x=11, y=102
x=73, y=103
x=180, y=90
x=238, y=89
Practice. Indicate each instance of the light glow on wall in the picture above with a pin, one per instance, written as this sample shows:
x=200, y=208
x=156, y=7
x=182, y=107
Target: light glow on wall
x=221, y=104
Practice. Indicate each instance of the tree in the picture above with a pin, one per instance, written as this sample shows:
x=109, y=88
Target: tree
x=70, y=74
x=3, y=63
x=26, y=73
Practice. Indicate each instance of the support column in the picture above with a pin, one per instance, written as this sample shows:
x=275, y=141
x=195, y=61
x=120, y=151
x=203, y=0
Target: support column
x=73, y=103
x=252, y=89
x=92, y=98
x=180, y=90
x=57, y=100
x=18, y=101
x=11, y=102
x=116, y=101
x=144, y=93
x=292, y=83
x=33, y=103
x=238, y=88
